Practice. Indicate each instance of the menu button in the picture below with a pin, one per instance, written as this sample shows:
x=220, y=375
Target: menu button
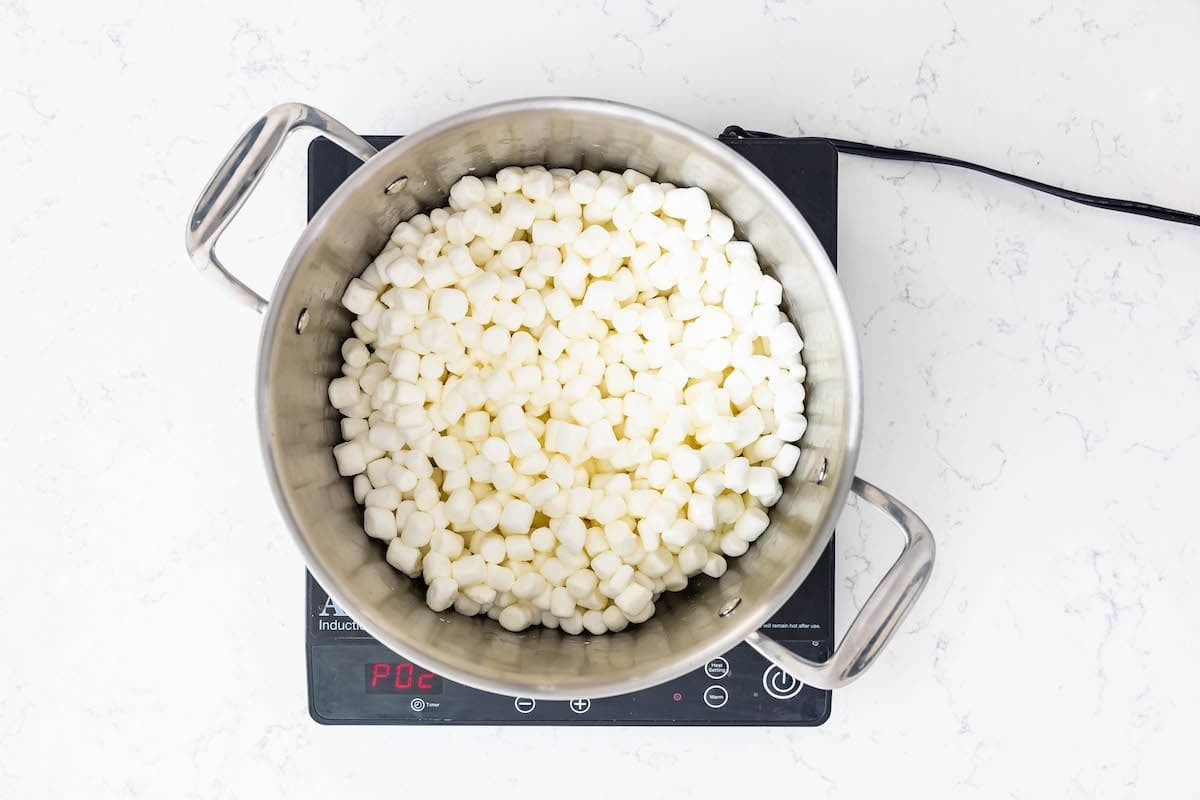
x=717, y=668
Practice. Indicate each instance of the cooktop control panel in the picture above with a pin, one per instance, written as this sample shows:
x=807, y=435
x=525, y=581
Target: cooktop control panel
x=353, y=679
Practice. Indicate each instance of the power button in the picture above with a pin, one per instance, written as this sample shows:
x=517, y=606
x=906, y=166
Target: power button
x=780, y=684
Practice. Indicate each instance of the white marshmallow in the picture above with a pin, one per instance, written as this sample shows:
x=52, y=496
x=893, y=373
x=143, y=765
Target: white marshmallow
x=715, y=566
x=519, y=548
x=350, y=458
x=380, y=523
x=485, y=516
x=516, y=518
x=441, y=594
x=469, y=570
x=751, y=524
x=404, y=558
x=529, y=585
x=362, y=486
x=571, y=531
x=633, y=599
x=359, y=296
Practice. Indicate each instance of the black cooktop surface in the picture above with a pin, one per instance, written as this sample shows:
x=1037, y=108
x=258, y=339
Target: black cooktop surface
x=352, y=679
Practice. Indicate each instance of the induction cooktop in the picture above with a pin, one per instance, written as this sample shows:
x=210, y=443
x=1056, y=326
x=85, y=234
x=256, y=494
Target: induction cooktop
x=354, y=680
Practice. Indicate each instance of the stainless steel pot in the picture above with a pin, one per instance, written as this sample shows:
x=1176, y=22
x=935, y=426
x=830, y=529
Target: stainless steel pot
x=300, y=352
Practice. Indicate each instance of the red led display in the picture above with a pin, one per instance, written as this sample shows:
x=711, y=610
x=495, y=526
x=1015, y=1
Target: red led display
x=401, y=677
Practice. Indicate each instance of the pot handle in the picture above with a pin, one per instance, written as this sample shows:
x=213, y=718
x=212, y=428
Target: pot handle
x=240, y=172
x=883, y=612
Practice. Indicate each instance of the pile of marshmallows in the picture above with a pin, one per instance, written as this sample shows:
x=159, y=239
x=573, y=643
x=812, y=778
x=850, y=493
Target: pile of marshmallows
x=566, y=394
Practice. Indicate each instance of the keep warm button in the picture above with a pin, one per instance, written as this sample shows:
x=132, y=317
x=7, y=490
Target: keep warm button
x=716, y=696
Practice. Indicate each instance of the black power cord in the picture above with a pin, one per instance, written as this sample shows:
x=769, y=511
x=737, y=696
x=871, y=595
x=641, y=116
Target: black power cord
x=896, y=154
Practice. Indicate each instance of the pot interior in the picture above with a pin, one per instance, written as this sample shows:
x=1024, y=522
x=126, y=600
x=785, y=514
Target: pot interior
x=299, y=427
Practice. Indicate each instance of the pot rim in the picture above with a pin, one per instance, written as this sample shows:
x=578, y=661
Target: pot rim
x=746, y=622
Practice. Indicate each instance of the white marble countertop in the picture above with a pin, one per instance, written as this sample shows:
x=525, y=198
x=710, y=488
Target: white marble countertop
x=1032, y=376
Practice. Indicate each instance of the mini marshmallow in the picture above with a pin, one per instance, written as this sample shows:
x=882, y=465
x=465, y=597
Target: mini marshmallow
x=785, y=461
x=380, y=523
x=762, y=481
x=763, y=449
x=516, y=518
x=468, y=570
x=344, y=392
x=418, y=528
x=386, y=497
x=504, y=478
x=790, y=427
x=359, y=296
x=350, y=458
x=495, y=340
x=633, y=599
x=499, y=577
x=458, y=507
x=690, y=203
x=362, y=486
x=681, y=533
x=562, y=604
x=448, y=543
x=593, y=622
x=737, y=474
x=522, y=443
x=485, y=516
x=467, y=191
x=480, y=593
x=655, y=565
x=686, y=463
x=571, y=531
x=581, y=583
x=495, y=450
x=751, y=524
x=529, y=585
x=519, y=548
x=404, y=558
x=449, y=304
x=493, y=549
x=733, y=546
x=692, y=558
x=434, y=565
x=702, y=512
x=516, y=617
x=447, y=454
x=563, y=437
x=441, y=594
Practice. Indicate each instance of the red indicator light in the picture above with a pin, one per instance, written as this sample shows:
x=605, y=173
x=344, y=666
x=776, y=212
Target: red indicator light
x=677, y=696
x=401, y=677
x=379, y=672
x=404, y=673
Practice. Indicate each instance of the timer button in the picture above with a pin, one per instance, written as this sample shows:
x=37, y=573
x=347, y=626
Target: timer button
x=524, y=704
x=715, y=696
x=780, y=684
x=417, y=704
x=717, y=668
